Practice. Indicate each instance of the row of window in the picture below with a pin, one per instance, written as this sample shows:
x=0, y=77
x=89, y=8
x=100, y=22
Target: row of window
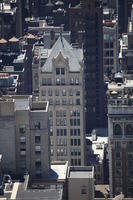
x=75, y=162
x=62, y=113
x=64, y=102
x=62, y=142
x=75, y=142
x=117, y=129
x=62, y=92
x=60, y=81
x=37, y=139
x=74, y=122
x=75, y=152
x=63, y=122
x=63, y=132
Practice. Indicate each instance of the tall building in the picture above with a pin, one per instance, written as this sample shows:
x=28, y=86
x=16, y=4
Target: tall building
x=7, y=20
x=61, y=83
x=126, y=50
x=124, y=13
x=86, y=26
x=109, y=49
x=24, y=136
x=93, y=59
x=120, y=127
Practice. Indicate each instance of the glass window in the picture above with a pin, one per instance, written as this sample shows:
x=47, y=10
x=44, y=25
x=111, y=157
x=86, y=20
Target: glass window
x=62, y=81
x=57, y=71
x=22, y=129
x=22, y=139
x=78, y=93
x=62, y=71
x=37, y=139
x=129, y=129
x=117, y=129
x=57, y=92
x=63, y=92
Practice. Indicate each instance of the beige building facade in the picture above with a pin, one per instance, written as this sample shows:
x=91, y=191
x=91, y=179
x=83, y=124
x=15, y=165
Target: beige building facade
x=81, y=183
x=61, y=83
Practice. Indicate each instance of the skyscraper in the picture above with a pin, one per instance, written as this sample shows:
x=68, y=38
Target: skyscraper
x=93, y=59
x=86, y=25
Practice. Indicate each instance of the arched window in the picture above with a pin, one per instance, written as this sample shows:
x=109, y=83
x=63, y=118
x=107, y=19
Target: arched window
x=117, y=129
x=129, y=129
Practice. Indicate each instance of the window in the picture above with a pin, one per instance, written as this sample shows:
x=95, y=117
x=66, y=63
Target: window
x=38, y=164
x=78, y=93
x=118, y=154
x=22, y=129
x=78, y=142
x=57, y=102
x=57, y=81
x=77, y=101
x=70, y=92
x=51, y=131
x=117, y=129
x=63, y=92
x=129, y=129
x=37, y=125
x=57, y=71
x=37, y=149
x=37, y=139
x=62, y=71
x=78, y=122
x=57, y=92
x=72, y=81
x=43, y=93
x=50, y=92
x=22, y=139
x=62, y=81
x=118, y=163
x=64, y=102
x=52, y=152
x=23, y=151
x=83, y=191
x=77, y=81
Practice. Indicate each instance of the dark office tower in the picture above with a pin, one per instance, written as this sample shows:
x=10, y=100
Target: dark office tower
x=74, y=2
x=85, y=21
x=93, y=58
x=22, y=13
x=124, y=10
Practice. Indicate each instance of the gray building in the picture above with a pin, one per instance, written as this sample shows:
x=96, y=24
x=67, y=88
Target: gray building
x=24, y=136
x=120, y=126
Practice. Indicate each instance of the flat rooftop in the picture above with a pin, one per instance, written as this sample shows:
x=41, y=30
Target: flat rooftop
x=59, y=170
x=22, y=104
x=38, y=194
x=81, y=174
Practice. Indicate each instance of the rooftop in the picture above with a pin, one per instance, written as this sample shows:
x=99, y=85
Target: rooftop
x=98, y=146
x=59, y=170
x=81, y=172
x=74, y=56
